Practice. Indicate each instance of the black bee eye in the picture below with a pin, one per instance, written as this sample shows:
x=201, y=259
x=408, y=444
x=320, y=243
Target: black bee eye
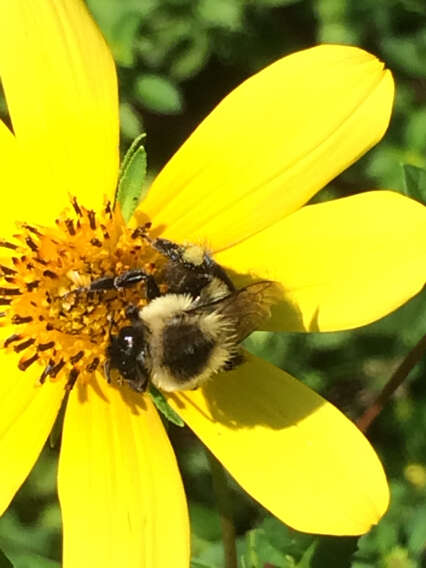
x=127, y=354
x=127, y=344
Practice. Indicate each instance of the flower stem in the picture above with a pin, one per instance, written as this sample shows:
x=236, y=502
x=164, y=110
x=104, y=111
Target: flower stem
x=220, y=487
x=398, y=377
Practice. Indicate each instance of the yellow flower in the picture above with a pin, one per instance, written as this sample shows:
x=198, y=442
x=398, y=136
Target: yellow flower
x=239, y=185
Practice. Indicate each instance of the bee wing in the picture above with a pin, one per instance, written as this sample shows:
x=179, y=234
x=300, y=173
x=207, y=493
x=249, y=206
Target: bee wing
x=247, y=308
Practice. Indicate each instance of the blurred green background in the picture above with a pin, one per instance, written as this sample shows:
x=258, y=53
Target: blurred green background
x=176, y=59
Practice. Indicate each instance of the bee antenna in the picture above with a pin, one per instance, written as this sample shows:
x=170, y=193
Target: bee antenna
x=111, y=324
x=107, y=370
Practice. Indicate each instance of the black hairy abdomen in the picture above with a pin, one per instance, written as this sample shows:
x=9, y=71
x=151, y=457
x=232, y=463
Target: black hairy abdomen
x=186, y=350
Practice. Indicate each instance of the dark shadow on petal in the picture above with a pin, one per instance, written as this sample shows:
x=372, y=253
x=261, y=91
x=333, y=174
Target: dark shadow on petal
x=135, y=400
x=314, y=325
x=244, y=399
x=93, y=384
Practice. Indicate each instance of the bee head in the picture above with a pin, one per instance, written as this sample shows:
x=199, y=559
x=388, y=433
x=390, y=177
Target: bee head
x=127, y=352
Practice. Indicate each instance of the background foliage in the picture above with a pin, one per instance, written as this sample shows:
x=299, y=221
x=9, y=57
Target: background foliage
x=176, y=60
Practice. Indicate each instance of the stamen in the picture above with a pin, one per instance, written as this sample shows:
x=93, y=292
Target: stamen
x=18, y=320
x=76, y=206
x=50, y=274
x=93, y=365
x=32, y=230
x=72, y=377
x=76, y=358
x=45, y=346
x=32, y=285
x=11, y=339
x=56, y=368
x=24, y=345
x=31, y=244
x=6, y=244
x=46, y=372
x=70, y=226
x=7, y=270
x=92, y=219
x=25, y=363
x=10, y=292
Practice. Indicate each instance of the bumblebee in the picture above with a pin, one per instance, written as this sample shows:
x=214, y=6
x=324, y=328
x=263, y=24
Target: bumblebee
x=183, y=337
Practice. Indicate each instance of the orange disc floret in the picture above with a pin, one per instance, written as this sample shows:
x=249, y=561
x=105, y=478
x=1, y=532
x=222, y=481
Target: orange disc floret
x=54, y=317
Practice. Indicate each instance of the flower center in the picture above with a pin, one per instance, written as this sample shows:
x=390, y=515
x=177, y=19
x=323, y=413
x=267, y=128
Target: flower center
x=50, y=314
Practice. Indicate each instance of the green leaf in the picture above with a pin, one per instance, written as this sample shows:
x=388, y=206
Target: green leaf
x=416, y=530
x=261, y=550
x=120, y=22
x=130, y=191
x=158, y=94
x=192, y=56
x=334, y=551
x=252, y=558
x=130, y=123
x=4, y=561
x=415, y=182
x=415, y=130
x=406, y=51
x=137, y=142
x=56, y=432
x=124, y=33
x=163, y=406
x=205, y=522
x=275, y=3
x=221, y=14
x=305, y=561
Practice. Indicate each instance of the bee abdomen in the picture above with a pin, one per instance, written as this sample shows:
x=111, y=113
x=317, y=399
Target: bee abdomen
x=186, y=351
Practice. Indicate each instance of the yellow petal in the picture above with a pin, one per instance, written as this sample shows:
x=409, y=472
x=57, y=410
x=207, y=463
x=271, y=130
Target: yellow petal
x=342, y=264
x=60, y=85
x=27, y=414
x=272, y=144
x=289, y=449
x=120, y=491
x=8, y=177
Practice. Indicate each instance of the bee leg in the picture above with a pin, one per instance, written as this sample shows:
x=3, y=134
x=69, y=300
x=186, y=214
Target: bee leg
x=104, y=283
x=236, y=360
x=126, y=280
x=107, y=370
x=172, y=250
x=132, y=277
x=140, y=383
x=152, y=289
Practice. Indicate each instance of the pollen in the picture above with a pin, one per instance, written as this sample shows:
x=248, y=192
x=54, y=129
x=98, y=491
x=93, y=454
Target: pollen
x=51, y=320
